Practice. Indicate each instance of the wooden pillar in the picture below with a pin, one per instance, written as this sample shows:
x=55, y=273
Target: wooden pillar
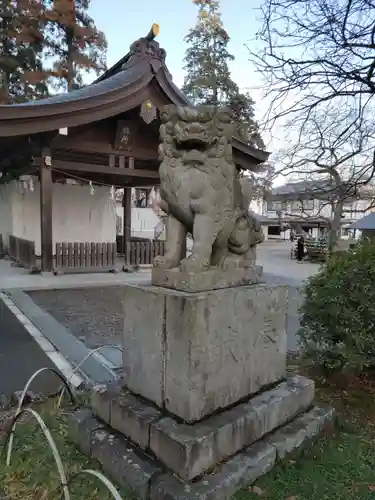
x=46, y=210
x=127, y=217
x=127, y=213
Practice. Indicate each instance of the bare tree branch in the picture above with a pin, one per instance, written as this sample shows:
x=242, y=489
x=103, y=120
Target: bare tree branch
x=338, y=170
x=318, y=61
x=319, y=55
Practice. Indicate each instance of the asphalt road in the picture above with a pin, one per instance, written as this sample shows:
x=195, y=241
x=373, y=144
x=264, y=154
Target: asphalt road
x=20, y=357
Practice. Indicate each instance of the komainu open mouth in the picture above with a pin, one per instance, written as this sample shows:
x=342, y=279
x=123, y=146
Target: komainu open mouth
x=192, y=144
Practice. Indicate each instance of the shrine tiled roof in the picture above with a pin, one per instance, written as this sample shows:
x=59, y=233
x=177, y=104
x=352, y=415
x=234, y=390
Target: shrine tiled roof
x=123, y=87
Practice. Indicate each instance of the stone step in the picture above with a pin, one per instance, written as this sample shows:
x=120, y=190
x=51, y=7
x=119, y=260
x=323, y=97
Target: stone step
x=189, y=450
x=129, y=467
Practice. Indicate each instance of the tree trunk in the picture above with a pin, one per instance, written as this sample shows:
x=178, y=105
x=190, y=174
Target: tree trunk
x=70, y=58
x=333, y=234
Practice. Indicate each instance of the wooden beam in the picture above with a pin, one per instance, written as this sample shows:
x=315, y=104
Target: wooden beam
x=77, y=144
x=46, y=210
x=104, y=169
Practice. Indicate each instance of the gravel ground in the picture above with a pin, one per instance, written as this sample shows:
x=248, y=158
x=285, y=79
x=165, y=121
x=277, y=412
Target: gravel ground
x=95, y=315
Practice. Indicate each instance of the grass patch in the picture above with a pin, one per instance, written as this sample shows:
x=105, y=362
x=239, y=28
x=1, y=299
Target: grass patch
x=341, y=467
x=33, y=475
x=337, y=468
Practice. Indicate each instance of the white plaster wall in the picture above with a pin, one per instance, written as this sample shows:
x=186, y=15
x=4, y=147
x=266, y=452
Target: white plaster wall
x=78, y=215
x=143, y=223
x=6, y=219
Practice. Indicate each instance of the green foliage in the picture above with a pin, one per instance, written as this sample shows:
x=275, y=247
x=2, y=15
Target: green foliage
x=44, y=44
x=338, y=314
x=74, y=42
x=206, y=61
x=208, y=79
x=247, y=129
x=21, y=42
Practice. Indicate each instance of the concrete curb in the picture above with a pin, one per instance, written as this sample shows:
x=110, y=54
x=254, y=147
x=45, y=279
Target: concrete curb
x=58, y=361
x=51, y=282
x=44, y=327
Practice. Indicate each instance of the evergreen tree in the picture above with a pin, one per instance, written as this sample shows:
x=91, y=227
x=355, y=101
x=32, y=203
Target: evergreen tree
x=74, y=42
x=247, y=129
x=21, y=47
x=208, y=79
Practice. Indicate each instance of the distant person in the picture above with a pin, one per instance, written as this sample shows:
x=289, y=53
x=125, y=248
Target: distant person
x=300, y=249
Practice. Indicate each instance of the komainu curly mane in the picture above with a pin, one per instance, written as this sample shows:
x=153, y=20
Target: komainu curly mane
x=202, y=193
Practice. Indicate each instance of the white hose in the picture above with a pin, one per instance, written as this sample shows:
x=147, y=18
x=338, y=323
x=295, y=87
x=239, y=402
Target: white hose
x=103, y=479
x=51, y=442
x=92, y=351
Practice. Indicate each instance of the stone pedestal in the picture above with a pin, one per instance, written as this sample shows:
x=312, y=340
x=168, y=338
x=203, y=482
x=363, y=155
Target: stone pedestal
x=157, y=457
x=212, y=279
x=204, y=406
x=193, y=354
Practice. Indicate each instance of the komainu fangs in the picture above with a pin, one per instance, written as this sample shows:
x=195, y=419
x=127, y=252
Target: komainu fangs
x=202, y=193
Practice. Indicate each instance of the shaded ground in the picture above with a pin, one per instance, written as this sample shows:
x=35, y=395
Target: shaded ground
x=94, y=315
x=20, y=357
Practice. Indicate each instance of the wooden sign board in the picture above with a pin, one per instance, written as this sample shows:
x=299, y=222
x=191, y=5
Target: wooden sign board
x=125, y=136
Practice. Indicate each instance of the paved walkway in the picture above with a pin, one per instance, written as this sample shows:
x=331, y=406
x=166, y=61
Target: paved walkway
x=20, y=357
x=17, y=278
x=273, y=256
x=280, y=268
x=276, y=261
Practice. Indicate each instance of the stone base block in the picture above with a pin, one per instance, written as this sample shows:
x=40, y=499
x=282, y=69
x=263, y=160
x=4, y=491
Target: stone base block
x=146, y=478
x=191, y=450
x=194, y=354
x=125, y=413
x=125, y=463
x=212, y=279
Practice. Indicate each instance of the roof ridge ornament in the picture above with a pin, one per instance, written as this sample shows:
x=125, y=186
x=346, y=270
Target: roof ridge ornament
x=146, y=48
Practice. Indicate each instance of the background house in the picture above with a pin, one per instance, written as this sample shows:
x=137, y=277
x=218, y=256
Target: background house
x=366, y=225
x=305, y=205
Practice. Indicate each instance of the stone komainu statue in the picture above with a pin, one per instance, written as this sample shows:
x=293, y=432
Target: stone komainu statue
x=202, y=193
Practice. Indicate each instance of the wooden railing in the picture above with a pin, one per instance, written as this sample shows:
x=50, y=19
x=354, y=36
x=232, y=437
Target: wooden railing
x=22, y=251
x=85, y=257
x=140, y=253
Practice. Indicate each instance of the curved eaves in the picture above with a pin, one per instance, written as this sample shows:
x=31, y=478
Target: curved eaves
x=258, y=154
x=96, y=102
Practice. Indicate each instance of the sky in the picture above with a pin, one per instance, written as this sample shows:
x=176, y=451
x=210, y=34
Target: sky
x=124, y=22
